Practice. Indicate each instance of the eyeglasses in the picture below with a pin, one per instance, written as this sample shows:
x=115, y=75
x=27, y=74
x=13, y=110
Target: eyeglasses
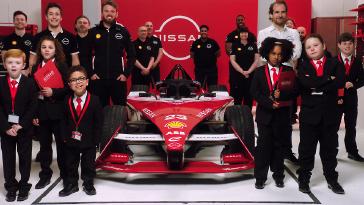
x=77, y=80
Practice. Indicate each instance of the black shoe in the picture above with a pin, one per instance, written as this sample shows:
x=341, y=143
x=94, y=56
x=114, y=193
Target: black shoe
x=69, y=189
x=43, y=182
x=10, y=196
x=279, y=183
x=294, y=119
x=336, y=188
x=291, y=157
x=304, y=188
x=356, y=157
x=37, y=158
x=259, y=184
x=89, y=190
x=23, y=195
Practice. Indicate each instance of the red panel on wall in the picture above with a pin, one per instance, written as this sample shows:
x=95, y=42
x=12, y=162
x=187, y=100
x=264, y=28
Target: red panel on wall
x=177, y=22
x=71, y=10
x=301, y=12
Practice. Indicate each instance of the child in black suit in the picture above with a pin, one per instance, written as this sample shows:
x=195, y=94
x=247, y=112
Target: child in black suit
x=354, y=75
x=50, y=110
x=18, y=103
x=272, y=116
x=81, y=128
x=319, y=78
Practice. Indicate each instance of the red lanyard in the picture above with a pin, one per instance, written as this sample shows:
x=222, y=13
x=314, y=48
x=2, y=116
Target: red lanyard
x=13, y=90
x=269, y=80
x=82, y=112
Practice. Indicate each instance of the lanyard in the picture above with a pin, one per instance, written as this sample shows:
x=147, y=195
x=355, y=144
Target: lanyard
x=269, y=80
x=77, y=123
x=13, y=91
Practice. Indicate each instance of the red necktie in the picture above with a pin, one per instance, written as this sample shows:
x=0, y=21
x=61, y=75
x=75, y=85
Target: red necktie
x=275, y=75
x=13, y=91
x=79, y=107
x=347, y=66
x=320, y=68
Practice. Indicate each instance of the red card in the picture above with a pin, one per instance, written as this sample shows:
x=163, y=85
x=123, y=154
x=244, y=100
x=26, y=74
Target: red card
x=49, y=76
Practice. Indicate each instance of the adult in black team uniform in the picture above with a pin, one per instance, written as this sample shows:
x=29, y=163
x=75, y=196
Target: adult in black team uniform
x=109, y=40
x=204, y=52
x=82, y=26
x=244, y=59
x=53, y=14
x=157, y=51
x=141, y=73
x=234, y=35
x=19, y=39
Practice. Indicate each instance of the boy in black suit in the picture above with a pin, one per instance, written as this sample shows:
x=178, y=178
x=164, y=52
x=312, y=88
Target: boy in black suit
x=81, y=128
x=354, y=75
x=272, y=116
x=18, y=103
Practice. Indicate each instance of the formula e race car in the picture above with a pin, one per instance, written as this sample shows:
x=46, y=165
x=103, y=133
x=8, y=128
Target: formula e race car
x=177, y=127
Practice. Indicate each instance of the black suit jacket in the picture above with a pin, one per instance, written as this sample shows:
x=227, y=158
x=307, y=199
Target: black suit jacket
x=90, y=125
x=51, y=107
x=315, y=108
x=356, y=76
x=25, y=103
x=262, y=94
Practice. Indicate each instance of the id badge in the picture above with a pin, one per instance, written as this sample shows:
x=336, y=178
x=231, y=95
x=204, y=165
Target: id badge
x=76, y=135
x=40, y=97
x=13, y=119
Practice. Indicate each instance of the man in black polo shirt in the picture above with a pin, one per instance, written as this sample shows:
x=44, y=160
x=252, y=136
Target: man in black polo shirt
x=109, y=40
x=141, y=73
x=204, y=52
x=157, y=52
x=234, y=35
x=82, y=26
x=19, y=39
x=53, y=15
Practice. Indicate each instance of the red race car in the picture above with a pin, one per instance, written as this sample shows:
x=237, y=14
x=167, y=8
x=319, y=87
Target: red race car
x=177, y=121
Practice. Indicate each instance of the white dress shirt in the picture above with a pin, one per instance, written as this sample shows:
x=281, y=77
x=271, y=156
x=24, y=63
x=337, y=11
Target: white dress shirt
x=83, y=98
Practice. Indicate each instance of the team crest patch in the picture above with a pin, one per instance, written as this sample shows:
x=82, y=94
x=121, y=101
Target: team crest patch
x=118, y=36
x=65, y=41
x=98, y=36
x=155, y=42
x=208, y=46
x=28, y=43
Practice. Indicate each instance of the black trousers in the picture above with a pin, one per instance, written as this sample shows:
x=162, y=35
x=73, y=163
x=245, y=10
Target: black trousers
x=46, y=129
x=310, y=135
x=269, y=151
x=138, y=79
x=9, y=145
x=206, y=76
x=110, y=88
x=240, y=91
x=156, y=74
x=350, y=111
x=88, y=170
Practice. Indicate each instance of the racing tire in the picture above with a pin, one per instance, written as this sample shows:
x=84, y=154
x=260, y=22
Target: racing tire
x=139, y=88
x=175, y=160
x=213, y=88
x=115, y=116
x=241, y=119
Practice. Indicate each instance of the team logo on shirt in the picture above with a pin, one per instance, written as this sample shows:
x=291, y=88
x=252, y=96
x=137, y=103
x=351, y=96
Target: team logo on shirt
x=239, y=49
x=250, y=48
x=118, y=36
x=140, y=47
x=13, y=43
x=149, y=48
x=155, y=42
x=65, y=41
x=236, y=37
x=198, y=46
x=98, y=36
x=28, y=43
x=208, y=46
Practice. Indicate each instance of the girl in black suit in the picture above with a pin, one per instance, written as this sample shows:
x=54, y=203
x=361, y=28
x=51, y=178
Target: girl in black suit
x=50, y=111
x=273, y=110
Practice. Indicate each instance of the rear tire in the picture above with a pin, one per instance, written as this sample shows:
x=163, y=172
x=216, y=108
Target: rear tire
x=115, y=116
x=241, y=119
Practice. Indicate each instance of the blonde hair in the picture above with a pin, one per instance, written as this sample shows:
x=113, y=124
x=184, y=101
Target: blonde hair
x=15, y=53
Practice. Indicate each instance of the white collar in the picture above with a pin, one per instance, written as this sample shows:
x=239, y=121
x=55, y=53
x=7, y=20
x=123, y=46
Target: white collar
x=43, y=63
x=83, y=97
x=270, y=68
x=321, y=59
x=343, y=57
x=17, y=80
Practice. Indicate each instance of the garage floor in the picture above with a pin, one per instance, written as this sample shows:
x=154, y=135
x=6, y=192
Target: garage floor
x=236, y=188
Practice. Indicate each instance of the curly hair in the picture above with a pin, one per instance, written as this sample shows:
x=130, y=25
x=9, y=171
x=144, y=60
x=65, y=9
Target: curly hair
x=59, y=54
x=269, y=43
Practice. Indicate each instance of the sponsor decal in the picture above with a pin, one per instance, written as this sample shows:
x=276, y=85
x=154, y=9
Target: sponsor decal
x=175, y=133
x=155, y=42
x=175, y=125
x=28, y=43
x=236, y=37
x=149, y=113
x=149, y=48
x=174, y=145
x=208, y=46
x=250, y=48
x=98, y=36
x=204, y=112
x=173, y=117
x=13, y=43
x=198, y=46
x=140, y=47
x=174, y=139
x=239, y=49
x=118, y=36
x=65, y=41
